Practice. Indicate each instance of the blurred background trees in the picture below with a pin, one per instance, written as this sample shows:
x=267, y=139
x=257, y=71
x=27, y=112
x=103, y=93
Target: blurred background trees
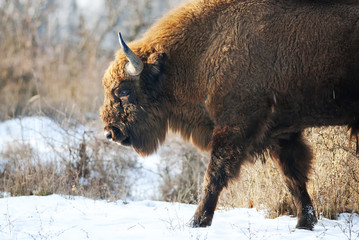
x=55, y=52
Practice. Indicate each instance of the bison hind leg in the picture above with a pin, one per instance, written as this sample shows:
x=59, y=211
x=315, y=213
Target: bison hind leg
x=294, y=159
x=308, y=218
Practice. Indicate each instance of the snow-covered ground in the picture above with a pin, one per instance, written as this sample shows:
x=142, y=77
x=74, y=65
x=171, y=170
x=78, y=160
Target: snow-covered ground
x=66, y=217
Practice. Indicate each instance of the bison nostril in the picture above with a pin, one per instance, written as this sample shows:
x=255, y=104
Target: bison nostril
x=108, y=135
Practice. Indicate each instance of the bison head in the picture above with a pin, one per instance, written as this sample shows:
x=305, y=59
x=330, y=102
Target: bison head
x=134, y=111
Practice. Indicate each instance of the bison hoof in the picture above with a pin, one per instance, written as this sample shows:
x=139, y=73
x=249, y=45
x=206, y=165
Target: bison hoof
x=307, y=219
x=202, y=221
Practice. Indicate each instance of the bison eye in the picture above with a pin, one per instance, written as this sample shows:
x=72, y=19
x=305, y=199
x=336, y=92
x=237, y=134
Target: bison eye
x=121, y=93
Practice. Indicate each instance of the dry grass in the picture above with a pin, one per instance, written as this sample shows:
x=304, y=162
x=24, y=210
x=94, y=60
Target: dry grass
x=92, y=168
x=181, y=170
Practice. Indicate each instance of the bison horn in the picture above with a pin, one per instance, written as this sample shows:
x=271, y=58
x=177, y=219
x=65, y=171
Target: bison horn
x=134, y=66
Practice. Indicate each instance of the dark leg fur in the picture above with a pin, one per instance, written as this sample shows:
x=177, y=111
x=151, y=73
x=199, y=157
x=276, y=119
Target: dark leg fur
x=225, y=163
x=294, y=159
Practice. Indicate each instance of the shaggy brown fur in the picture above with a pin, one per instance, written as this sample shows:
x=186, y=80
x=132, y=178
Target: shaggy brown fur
x=237, y=78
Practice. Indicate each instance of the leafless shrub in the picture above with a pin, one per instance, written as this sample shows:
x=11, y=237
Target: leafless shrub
x=91, y=167
x=181, y=170
x=334, y=185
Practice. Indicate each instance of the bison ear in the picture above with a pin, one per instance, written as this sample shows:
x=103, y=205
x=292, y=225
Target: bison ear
x=156, y=64
x=153, y=76
x=158, y=60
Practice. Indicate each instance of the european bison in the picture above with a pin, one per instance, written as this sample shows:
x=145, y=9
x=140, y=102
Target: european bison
x=238, y=78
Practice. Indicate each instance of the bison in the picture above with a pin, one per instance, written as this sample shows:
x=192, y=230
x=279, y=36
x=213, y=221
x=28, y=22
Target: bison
x=239, y=78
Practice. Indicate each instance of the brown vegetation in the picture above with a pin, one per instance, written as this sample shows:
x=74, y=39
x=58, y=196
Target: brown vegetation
x=43, y=73
x=93, y=168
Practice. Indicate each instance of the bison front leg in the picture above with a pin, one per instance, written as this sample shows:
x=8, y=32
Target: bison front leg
x=226, y=159
x=294, y=159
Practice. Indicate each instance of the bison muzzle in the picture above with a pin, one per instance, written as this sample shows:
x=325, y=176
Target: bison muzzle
x=238, y=78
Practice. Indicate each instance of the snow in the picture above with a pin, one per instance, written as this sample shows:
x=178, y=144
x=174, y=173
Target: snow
x=42, y=134
x=68, y=217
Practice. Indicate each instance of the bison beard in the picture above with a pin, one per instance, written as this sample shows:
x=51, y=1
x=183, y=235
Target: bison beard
x=239, y=78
